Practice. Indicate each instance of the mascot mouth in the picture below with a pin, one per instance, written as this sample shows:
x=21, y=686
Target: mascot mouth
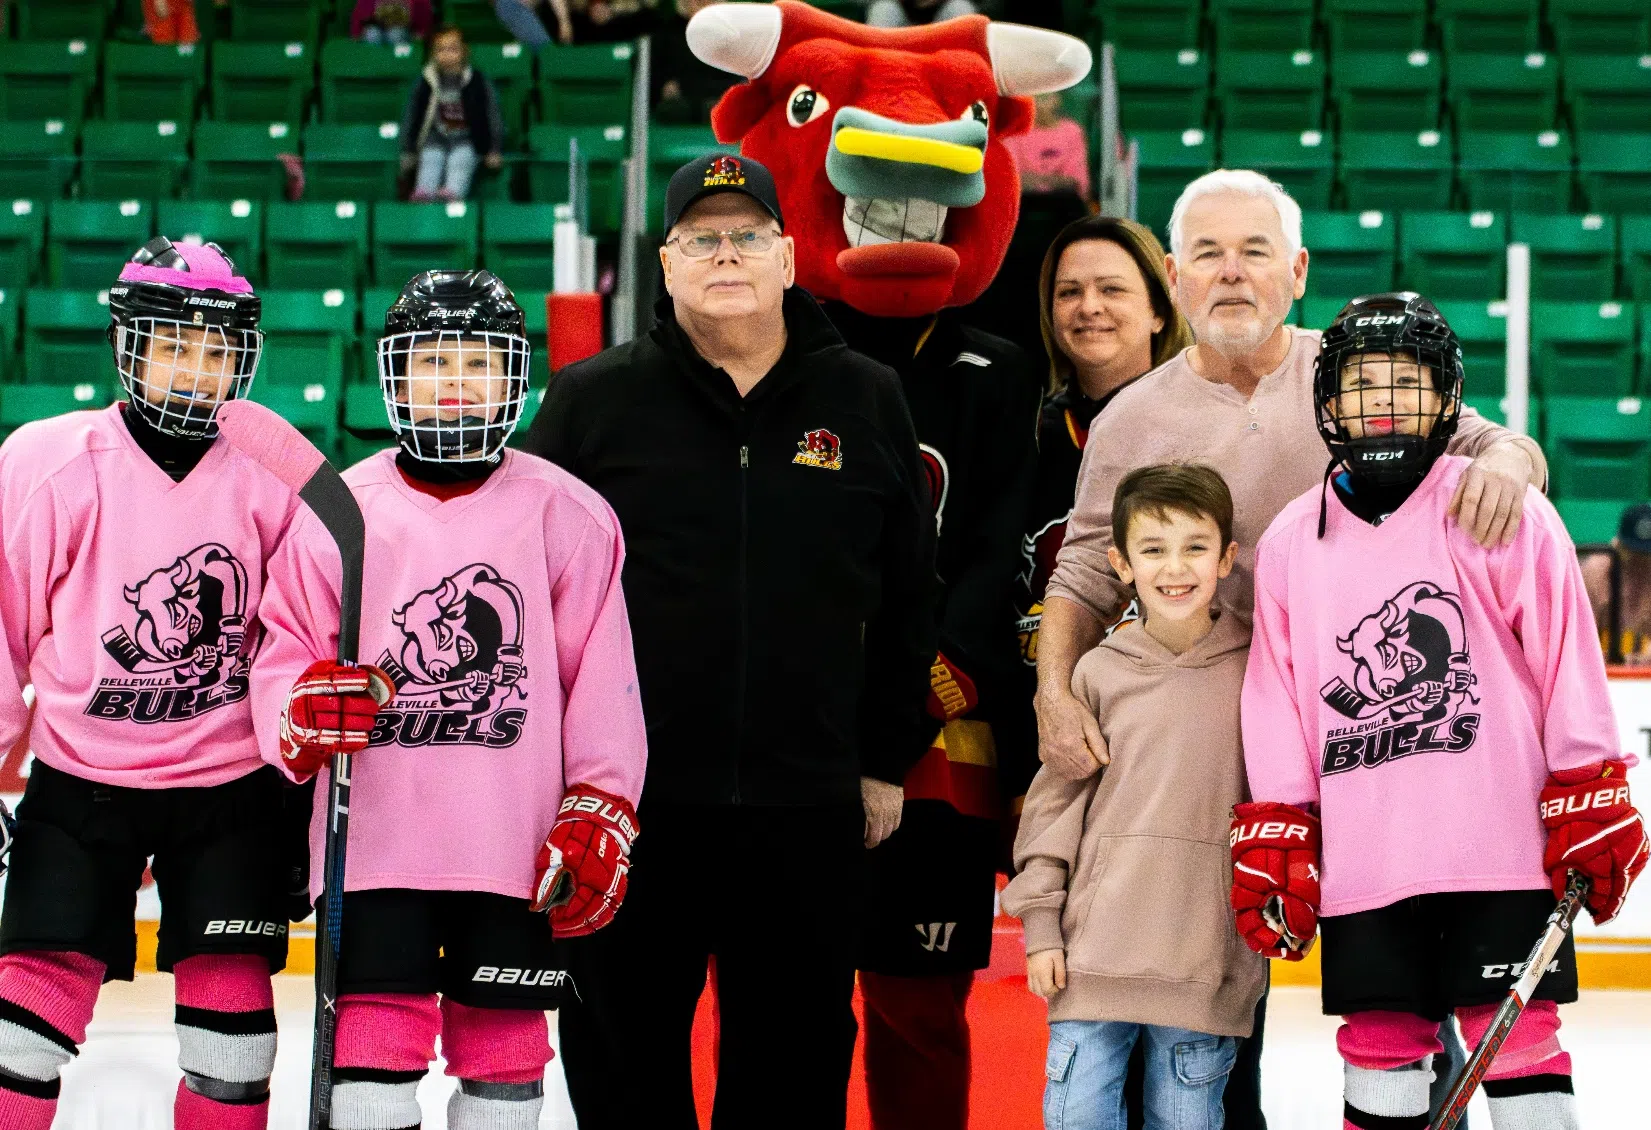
x=874, y=219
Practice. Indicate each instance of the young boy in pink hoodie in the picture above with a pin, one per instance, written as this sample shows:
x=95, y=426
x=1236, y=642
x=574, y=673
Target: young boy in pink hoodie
x=1427, y=721
x=501, y=779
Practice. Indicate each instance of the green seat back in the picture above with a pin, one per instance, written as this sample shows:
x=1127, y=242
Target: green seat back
x=1573, y=258
x=352, y=162
x=88, y=241
x=585, y=85
x=261, y=82
x=25, y=403
x=1616, y=171
x=62, y=19
x=537, y=323
x=1352, y=253
x=1387, y=90
x=22, y=239
x=1489, y=25
x=1610, y=94
x=1302, y=161
x=308, y=334
x=1482, y=328
x=316, y=245
x=517, y=244
x=237, y=226
x=409, y=238
x=1582, y=348
x=477, y=19
x=1504, y=92
x=1517, y=172
x=1317, y=312
x=1168, y=159
x=144, y=82
x=1263, y=24
x=1151, y=23
x=1636, y=262
x=1375, y=25
x=40, y=81
x=126, y=160
x=277, y=21
x=1598, y=448
x=669, y=148
x=240, y=160
x=1454, y=254
x=1271, y=90
x=369, y=413
x=364, y=82
x=509, y=66
x=66, y=341
x=602, y=148
x=1600, y=27
x=37, y=159
x=1390, y=171
x=1162, y=89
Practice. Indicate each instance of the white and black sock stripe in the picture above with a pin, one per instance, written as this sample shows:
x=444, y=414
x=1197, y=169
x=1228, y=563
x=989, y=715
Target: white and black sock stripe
x=32, y=1052
x=374, y=1098
x=1532, y=1102
x=226, y=1056
x=477, y=1105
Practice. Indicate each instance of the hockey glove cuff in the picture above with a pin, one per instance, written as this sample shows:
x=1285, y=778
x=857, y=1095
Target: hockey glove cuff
x=1595, y=829
x=329, y=711
x=952, y=693
x=584, y=864
x=1275, y=851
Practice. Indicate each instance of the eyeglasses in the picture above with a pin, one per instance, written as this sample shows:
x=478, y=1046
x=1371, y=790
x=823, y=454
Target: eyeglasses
x=701, y=243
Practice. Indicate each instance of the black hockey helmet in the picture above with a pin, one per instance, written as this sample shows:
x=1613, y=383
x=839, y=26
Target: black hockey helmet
x=447, y=327
x=1390, y=448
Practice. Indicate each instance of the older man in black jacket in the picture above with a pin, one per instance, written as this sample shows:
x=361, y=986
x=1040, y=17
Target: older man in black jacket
x=780, y=577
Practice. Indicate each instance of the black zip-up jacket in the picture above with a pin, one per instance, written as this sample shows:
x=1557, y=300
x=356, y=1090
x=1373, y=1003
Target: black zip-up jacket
x=779, y=565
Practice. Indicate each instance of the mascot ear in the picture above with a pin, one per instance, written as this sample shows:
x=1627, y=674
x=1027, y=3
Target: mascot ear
x=737, y=111
x=1014, y=115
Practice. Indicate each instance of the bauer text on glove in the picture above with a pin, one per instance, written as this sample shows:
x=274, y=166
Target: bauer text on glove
x=1275, y=851
x=1594, y=828
x=584, y=864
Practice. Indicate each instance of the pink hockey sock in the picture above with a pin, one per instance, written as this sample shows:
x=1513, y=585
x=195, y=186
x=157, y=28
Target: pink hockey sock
x=1528, y=1086
x=226, y=1042
x=499, y=1057
x=1389, y=1057
x=385, y=1044
x=46, y=1001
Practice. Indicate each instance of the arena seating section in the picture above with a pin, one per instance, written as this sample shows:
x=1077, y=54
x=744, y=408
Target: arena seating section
x=1420, y=137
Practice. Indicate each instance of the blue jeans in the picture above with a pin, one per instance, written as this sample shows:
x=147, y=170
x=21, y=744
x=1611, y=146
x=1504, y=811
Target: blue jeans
x=1186, y=1073
x=444, y=167
x=522, y=22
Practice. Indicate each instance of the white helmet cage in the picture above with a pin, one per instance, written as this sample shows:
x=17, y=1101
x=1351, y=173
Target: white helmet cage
x=177, y=373
x=453, y=396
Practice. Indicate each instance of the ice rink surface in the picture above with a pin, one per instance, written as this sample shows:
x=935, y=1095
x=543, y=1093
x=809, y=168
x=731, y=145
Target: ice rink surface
x=127, y=1073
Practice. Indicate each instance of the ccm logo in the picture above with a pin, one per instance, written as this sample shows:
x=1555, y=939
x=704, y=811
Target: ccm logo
x=1380, y=456
x=496, y=975
x=1379, y=320
x=1514, y=969
x=596, y=806
x=246, y=926
x=1271, y=830
x=1599, y=798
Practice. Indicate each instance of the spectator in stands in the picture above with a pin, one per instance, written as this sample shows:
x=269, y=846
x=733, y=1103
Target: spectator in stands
x=1052, y=156
x=524, y=19
x=172, y=21
x=685, y=87
x=391, y=21
x=910, y=13
x=452, y=114
x=1632, y=553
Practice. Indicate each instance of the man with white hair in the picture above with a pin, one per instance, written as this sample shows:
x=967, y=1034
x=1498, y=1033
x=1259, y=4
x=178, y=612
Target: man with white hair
x=1241, y=400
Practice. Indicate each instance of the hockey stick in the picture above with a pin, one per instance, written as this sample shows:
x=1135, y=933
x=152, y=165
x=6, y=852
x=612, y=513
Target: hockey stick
x=1349, y=703
x=276, y=445
x=1559, y=924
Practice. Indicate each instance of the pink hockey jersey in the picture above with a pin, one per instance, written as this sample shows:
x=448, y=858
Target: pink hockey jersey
x=132, y=602
x=500, y=617
x=1418, y=689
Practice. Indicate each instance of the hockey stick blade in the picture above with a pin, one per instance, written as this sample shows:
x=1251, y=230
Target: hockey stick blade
x=1536, y=966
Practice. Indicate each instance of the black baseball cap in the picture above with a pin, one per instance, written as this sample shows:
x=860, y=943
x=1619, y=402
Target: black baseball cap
x=1634, y=533
x=720, y=172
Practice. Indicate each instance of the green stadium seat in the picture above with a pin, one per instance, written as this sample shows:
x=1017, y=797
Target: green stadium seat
x=375, y=303
x=277, y=21
x=537, y=324
x=144, y=82
x=669, y=148
x=309, y=337
x=1387, y=90
x=517, y=244
x=126, y=160
x=1517, y=172
x=316, y=246
x=363, y=82
x=1636, y=264
x=1316, y=313
x=1573, y=258
x=1454, y=254
x=1482, y=328
x=37, y=159
x=1582, y=348
x=1396, y=170
x=1167, y=160
x=1599, y=460
x=235, y=225
x=352, y=162
x=409, y=238
x=88, y=240
x=478, y=21
x=11, y=309
x=1489, y=25
x=66, y=342
x=1304, y=163
x=261, y=82
x=1162, y=89
x=62, y=19
x=1616, y=170
x=1352, y=253
x=1645, y=345
x=1600, y=27
x=25, y=403
x=1151, y=23
x=1375, y=25
x=586, y=85
x=1513, y=93
x=22, y=238
x=42, y=81
x=602, y=148
x=1276, y=90
x=236, y=160
x=1267, y=25
x=509, y=66
x=1610, y=93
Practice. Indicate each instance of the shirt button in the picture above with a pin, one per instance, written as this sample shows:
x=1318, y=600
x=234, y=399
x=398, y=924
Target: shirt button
x=1254, y=426
x=1253, y=410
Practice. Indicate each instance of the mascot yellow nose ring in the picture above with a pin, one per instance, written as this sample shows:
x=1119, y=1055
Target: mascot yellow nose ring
x=948, y=155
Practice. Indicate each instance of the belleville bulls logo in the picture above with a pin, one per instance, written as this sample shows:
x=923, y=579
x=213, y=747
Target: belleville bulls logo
x=724, y=170
x=459, y=667
x=819, y=448
x=183, y=650
x=1412, y=683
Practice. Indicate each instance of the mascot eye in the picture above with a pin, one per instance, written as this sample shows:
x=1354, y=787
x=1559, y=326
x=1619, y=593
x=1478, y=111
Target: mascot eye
x=806, y=104
x=976, y=111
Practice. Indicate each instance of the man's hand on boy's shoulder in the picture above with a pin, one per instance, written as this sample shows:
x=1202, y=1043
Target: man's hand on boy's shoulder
x=1070, y=742
x=1490, y=498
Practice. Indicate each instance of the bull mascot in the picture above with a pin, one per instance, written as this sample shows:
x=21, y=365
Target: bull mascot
x=886, y=146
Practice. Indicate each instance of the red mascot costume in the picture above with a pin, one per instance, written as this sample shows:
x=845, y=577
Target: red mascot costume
x=886, y=146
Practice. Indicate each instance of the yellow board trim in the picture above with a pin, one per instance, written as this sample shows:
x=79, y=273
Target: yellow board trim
x=856, y=142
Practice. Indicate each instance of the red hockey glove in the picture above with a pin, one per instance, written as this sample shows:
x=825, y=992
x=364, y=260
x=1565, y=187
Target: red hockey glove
x=329, y=711
x=1594, y=829
x=952, y=694
x=1276, y=878
x=584, y=863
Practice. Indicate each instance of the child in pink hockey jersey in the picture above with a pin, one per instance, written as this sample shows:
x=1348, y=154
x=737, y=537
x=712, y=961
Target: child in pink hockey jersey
x=137, y=555
x=1427, y=720
x=502, y=777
